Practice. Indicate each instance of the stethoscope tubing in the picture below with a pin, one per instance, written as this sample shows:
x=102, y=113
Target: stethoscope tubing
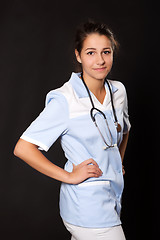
x=98, y=110
x=94, y=108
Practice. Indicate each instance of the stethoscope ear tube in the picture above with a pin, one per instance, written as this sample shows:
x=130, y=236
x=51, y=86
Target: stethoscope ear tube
x=114, y=112
x=118, y=126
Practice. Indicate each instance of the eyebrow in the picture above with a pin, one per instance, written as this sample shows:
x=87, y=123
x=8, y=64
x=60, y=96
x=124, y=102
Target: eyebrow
x=95, y=48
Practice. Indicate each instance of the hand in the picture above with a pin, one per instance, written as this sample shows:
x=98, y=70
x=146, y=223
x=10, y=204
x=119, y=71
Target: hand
x=87, y=169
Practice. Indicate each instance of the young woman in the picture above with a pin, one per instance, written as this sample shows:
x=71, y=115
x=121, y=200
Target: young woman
x=90, y=114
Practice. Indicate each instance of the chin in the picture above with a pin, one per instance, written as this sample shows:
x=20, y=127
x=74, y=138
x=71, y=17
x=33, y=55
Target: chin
x=97, y=75
x=101, y=76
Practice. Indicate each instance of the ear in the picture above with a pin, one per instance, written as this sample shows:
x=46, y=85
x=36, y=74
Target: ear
x=78, y=56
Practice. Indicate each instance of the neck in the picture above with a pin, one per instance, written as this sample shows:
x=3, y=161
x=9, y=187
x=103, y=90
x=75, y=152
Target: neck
x=96, y=86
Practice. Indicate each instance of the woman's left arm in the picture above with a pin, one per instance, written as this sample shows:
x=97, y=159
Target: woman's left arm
x=122, y=148
x=123, y=145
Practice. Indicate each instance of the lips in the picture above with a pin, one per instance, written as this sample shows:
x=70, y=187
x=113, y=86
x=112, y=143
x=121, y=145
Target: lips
x=100, y=69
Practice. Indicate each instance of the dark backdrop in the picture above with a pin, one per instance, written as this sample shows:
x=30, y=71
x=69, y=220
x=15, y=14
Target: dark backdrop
x=36, y=55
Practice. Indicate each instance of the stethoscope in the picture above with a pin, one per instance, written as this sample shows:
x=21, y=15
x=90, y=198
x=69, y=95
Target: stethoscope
x=117, y=125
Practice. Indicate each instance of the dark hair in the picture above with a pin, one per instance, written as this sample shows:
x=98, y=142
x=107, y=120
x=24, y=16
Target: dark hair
x=91, y=27
x=88, y=28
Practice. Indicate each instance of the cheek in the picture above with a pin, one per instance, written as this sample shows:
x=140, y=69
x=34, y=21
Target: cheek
x=87, y=62
x=109, y=61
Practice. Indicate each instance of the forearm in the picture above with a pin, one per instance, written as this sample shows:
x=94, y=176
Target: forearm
x=29, y=153
x=123, y=145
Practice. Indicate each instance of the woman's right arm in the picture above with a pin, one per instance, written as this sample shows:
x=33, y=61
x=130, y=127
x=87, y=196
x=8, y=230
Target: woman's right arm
x=29, y=153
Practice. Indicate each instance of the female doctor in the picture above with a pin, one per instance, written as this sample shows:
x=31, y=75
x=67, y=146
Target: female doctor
x=89, y=113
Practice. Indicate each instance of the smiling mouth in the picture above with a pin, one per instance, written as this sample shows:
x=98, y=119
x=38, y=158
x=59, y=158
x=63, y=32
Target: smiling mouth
x=100, y=69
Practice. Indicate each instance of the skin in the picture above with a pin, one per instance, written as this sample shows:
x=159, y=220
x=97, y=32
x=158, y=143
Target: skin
x=96, y=58
x=29, y=153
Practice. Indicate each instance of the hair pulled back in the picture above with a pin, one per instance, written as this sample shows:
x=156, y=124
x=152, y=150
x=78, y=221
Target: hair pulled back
x=90, y=27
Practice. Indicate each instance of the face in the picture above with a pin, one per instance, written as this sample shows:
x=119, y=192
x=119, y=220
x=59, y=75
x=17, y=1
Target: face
x=96, y=56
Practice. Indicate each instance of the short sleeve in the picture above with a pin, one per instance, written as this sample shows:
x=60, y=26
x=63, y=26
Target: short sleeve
x=126, y=121
x=50, y=124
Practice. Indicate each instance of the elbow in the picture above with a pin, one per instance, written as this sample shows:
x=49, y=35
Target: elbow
x=20, y=148
x=23, y=148
x=16, y=150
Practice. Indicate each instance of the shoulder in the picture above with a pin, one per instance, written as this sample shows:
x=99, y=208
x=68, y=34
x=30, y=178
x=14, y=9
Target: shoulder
x=119, y=92
x=64, y=94
x=118, y=89
x=59, y=94
x=118, y=86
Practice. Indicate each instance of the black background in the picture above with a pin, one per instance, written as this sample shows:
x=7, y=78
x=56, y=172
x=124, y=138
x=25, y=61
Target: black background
x=36, y=55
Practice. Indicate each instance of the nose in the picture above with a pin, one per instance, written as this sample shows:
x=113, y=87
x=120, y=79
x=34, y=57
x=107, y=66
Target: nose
x=100, y=60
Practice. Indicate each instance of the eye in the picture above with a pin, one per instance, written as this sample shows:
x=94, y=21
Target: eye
x=90, y=53
x=107, y=52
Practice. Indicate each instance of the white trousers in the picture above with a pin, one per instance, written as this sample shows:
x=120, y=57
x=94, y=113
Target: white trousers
x=81, y=233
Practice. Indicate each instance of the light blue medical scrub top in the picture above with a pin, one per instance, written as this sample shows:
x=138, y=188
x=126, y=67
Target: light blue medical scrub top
x=96, y=202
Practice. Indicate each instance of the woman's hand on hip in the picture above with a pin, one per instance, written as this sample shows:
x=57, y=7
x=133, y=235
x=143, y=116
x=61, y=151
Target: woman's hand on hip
x=87, y=169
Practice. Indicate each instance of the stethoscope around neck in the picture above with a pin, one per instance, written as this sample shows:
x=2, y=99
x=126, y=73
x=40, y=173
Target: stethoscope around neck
x=117, y=125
